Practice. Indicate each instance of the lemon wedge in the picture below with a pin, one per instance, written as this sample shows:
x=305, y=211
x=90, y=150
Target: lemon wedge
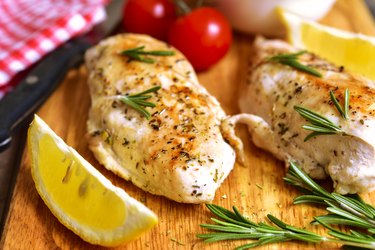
x=356, y=52
x=79, y=196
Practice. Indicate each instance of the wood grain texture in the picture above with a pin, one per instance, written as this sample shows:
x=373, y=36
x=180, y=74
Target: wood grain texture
x=256, y=189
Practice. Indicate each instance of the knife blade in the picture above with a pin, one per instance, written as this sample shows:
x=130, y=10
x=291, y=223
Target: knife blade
x=17, y=106
x=10, y=161
x=371, y=6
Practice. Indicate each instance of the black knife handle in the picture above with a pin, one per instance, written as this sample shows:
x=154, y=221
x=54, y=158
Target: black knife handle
x=34, y=89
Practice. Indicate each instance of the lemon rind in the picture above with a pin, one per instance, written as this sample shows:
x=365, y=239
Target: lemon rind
x=138, y=219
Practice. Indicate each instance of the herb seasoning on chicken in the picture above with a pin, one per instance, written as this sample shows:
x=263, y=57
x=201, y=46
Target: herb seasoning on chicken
x=171, y=144
x=280, y=99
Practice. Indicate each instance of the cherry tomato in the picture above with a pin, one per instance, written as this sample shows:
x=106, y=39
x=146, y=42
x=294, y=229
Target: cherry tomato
x=152, y=17
x=204, y=36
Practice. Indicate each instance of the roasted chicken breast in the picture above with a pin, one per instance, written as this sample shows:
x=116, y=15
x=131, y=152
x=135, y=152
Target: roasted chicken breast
x=269, y=98
x=179, y=152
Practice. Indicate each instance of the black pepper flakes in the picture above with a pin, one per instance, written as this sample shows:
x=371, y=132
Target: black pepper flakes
x=114, y=104
x=294, y=135
x=96, y=133
x=298, y=90
x=126, y=142
x=283, y=128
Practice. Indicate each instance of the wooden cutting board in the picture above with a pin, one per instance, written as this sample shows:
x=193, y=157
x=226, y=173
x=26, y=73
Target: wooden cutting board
x=256, y=189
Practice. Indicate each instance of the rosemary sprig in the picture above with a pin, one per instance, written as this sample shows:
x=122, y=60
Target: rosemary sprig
x=346, y=210
x=138, y=101
x=291, y=60
x=136, y=54
x=344, y=112
x=234, y=226
x=321, y=125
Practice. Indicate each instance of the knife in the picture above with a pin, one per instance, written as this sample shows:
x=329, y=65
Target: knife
x=17, y=106
x=371, y=6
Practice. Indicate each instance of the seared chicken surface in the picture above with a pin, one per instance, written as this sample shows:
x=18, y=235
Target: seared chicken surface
x=269, y=98
x=179, y=152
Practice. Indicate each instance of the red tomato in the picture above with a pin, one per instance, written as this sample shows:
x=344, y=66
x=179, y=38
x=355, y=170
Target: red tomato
x=204, y=36
x=152, y=17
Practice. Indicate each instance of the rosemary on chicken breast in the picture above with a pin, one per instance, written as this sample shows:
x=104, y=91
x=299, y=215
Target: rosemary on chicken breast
x=152, y=123
x=283, y=99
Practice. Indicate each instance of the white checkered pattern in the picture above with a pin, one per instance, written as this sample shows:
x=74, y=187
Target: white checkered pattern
x=29, y=29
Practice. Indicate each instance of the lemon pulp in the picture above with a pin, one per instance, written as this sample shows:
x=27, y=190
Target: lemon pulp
x=73, y=187
x=79, y=196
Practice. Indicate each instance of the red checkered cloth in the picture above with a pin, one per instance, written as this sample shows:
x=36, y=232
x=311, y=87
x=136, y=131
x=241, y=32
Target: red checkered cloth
x=29, y=29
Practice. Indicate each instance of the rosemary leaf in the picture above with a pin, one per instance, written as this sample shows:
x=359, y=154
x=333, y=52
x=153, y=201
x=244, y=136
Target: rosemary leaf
x=147, y=91
x=289, y=56
x=145, y=104
x=291, y=60
x=337, y=104
x=320, y=125
x=344, y=112
x=336, y=220
x=346, y=103
x=248, y=246
x=226, y=228
x=135, y=54
x=319, y=129
x=273, y=239
x=360, y=208
x=309, y=199
x=135, y=106
x=347, y=215
x=316, y=119
x=137, y=101
x=276, y=221
x=367, y=243
x=297, y=65
x=157, y=52
x=314, y=134
x=226, y=215
x=363, y=235
x=241, y=217
x=312, y=185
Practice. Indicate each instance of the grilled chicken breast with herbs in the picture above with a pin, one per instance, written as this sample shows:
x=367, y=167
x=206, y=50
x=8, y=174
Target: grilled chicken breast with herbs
x=270, y=96
x=179, y=152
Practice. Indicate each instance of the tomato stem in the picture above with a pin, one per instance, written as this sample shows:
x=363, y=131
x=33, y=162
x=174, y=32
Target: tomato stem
x=183, y=6
x=199, y=3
